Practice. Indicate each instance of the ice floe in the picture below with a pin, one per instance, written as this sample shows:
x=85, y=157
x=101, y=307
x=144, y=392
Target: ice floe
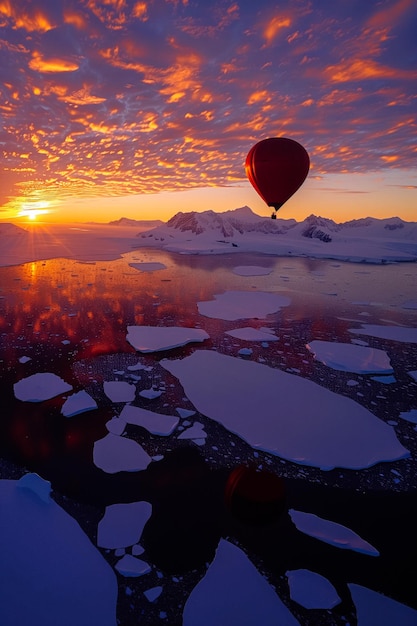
x=233, y=593
x=116, y=426
x=118, y=454
x=394, y=333
x=252, y=334
x=119, y=390
x=156, y=338
x=155, y=423
x=150, y=394
x=153, y=594
x=311, y=590
x=413, y=375
x=252, y=270
x=122, y=524
x=39, y=387
x=52, y=572
x=235, y=305
x=331, y=532
x=24, y=359
x=285, y=414
x=348, y=357
x=375, y=609
x=196, y=431
x=78, y=402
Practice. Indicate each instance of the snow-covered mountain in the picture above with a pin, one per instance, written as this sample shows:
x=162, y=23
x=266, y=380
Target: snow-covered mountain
x=127, y=221
x=371, y=239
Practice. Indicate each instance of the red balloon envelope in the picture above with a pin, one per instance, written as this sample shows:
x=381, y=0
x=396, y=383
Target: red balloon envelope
x=276, y=168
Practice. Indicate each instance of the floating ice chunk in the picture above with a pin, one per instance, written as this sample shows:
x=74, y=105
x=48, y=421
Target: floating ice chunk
x=24, y=359
x=157, y=338
x=395, y=333
x=252, y=270
x=410, y=416
x=236, y=305
x=116, y=426
x=387, y=380
x=285, y=414
x=251, y=334
x=331, y=532
x=233, y=592
x=375, y=609
x=245, y=351
x=311, y=590
x=49, y=561
x=78, y=403
x=148, y=267
x=351, y=358
x=137, y=550
x=136, y=367
x=130, y=566
x=155, y=423
x=150, y=394
x=413, y=375
x=39, y=387
x=184, y=413
x=122, y=524
x=117, y=454
x=196, y=431
x=152, y=594
x=119, y=391
x=65, y=342
x=36, y=484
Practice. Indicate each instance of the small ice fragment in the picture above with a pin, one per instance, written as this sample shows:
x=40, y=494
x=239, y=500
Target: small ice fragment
x=195, y=432
x=122, y=524
x=413, y=374
x=348, y=357
x=311, y=590
x=153, y=594
x=394, y=333
x=183, y=413
x=39, y=387
x=245, y=351
x=409, y=416
x=135, y=368
x=375, y=608
x=150, y=394
x=119, y=391
x=130, y=566
x=79, y=402
x=155, y=423
x=199, y=442
x=137, y=550
x=120, y=552
x=331, y=532
x=235, y=305
x=33, y=482
x=24, y=359
x=157, y=338
x=118, y=454
x=116, y=426
x=251, y=334
x=352, y=383
x=65, y=342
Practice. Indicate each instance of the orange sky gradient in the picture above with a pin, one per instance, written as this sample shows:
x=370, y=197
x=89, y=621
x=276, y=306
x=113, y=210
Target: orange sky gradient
x=116, y=108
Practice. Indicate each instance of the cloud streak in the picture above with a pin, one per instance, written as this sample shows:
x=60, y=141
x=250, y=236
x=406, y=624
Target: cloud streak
x=120, y=97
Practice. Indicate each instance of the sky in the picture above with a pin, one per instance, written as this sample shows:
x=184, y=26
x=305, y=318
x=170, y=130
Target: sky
x=114, y=108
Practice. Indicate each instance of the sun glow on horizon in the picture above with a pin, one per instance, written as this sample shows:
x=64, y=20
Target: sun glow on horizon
x=32, y=210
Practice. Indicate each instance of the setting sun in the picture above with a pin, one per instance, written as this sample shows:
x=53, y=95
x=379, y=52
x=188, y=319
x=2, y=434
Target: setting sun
x=32, y=210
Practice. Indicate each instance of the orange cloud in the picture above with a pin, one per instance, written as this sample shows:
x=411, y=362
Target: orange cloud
x=39, y=64
x=362, y=69
x=274, y=26
x=29, y=19
x=139, y=11
x=386, y=17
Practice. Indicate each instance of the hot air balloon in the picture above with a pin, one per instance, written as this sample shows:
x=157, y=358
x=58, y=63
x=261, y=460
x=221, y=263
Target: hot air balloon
x=277, y=167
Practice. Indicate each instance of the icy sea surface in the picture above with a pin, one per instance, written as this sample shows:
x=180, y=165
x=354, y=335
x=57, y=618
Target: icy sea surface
x=136, y=386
